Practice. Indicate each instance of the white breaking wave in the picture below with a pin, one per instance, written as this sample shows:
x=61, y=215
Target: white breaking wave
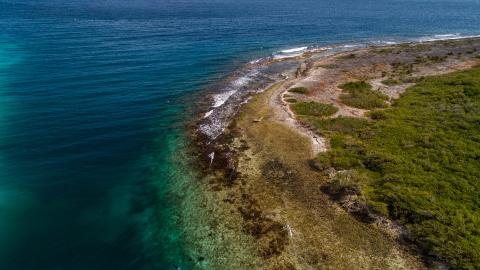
x=256, y=61
x=283, y=56
x=289, y=53
x=226, y=103
x=445, y=37
x=294, y=50
x=440, y=37
x=220, y=99
x=207, y=114
x=385, y=42
x=242, y=81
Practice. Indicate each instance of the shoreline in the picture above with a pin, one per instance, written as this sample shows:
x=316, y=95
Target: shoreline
x=270, y=187
x=236, y=88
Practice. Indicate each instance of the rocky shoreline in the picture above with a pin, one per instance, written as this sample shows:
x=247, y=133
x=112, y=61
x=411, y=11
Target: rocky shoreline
x=261, y=169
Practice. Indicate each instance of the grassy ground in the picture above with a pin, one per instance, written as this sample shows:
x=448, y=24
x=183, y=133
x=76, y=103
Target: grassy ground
x=418, y=162
x=360, y=95
x=314, y=108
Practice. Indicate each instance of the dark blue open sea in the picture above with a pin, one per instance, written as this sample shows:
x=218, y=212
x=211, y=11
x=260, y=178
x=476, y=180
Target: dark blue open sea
x=95, y=94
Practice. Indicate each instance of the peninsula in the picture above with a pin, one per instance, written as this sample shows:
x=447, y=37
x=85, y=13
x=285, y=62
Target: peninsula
x=364, y=159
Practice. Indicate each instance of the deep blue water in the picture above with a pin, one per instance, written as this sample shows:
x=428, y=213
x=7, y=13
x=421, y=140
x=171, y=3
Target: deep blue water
x=94, y=96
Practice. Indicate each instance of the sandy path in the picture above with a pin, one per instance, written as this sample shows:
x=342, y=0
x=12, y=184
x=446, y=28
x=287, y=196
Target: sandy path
x=285, y=115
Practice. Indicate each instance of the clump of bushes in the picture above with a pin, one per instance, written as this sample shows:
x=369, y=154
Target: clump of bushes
x=402, y=69
x=385, y=51
x=420, y=60
x=329, y=66
x=314, y=109
x=348, y=56
x=291, y=100
x=360, y=95
x=299, y=90
x=430, y=58
x=436, y=58
x=377, y=115
x=354, y=86
x=347, y=183
x=391, y=81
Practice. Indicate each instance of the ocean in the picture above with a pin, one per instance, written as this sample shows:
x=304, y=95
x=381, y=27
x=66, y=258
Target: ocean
x=96, y=97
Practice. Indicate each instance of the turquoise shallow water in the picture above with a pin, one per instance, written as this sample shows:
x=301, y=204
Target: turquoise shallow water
x=94, y=96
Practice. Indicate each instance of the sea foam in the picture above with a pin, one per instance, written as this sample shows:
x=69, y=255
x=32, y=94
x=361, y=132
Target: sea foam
x=445, y=37
x=294, y=50
x=220, y=98
x=289, y=53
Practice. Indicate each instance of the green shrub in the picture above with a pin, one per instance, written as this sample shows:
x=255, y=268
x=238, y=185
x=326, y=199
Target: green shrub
x=291, y=100
x=377, y=115
x=348, y=56
x=299, y=90
x=421, y=60
x=409, y=79
x=360, y=95
x=385, y=51
x=436, y=58
x=346, y=182
x=313, y=109
x=356, y=86
x=402, y=69
x=378, y=207
x=391, y=81
x=329, y=66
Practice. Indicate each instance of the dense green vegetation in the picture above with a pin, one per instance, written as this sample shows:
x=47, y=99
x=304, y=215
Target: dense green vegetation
x=360, y=95
x=338, y=124
x=299, y=90
x=313, y=108
x=418, y=162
